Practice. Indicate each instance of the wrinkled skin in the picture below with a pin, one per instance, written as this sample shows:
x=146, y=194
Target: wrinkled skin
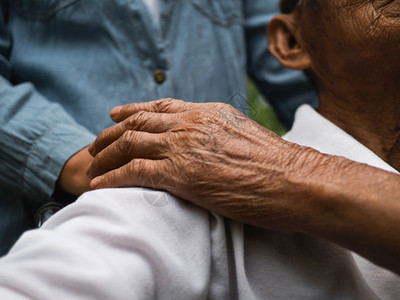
x=354, y=48
x=198, y=152
x=212, y=155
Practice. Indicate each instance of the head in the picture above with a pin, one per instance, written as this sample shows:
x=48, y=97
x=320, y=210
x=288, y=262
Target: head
x=351, y=47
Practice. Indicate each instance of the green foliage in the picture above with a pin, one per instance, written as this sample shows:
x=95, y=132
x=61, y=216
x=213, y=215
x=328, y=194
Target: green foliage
x=261, y=111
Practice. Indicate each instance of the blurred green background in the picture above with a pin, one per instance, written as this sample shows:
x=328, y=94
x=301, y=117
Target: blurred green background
x=265, y=113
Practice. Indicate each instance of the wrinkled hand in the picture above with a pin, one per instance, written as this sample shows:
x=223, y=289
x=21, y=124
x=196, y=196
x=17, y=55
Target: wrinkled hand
x=73, y=178
x=209, y=154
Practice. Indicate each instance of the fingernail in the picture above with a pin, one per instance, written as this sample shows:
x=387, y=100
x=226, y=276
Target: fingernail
x=95, y=182
x=115, y=111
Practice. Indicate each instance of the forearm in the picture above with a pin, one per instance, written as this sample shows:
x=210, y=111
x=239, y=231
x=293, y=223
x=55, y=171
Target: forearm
x=227, y=163
x=351, y=204
x=358, y=207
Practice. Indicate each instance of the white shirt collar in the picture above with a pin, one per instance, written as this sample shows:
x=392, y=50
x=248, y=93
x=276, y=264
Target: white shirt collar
x=313, y=130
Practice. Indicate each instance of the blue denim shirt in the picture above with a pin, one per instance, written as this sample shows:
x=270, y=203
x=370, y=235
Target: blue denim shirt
x=65, y=63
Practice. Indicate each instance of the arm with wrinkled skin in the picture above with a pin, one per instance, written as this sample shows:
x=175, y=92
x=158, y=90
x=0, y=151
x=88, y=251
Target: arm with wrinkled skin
x=215, y=157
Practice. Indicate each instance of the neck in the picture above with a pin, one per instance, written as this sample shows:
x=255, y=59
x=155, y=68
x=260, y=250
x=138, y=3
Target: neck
x=374, y=120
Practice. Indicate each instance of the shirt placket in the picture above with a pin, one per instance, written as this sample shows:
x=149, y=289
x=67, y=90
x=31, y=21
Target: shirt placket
x=152, y=46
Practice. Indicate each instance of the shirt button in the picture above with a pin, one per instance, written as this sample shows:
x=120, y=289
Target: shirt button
x=159, y=76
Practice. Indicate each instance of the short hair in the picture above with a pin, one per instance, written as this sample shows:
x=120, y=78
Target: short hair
x=287, y=6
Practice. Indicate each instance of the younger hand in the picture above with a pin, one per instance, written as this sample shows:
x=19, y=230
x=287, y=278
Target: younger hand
x=73, y=178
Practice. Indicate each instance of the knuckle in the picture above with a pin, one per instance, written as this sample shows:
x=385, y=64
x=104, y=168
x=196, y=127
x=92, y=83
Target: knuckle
x=169, y=104
x=139, y=168
x=225, y=108
x=162, y=143
x=169, y=100
x=126, y=142
x=207, y=117
x=138, y=120
x=199, y=115
x=140, y=117
x=164, y=104
x=229, y=107
x=222, y=105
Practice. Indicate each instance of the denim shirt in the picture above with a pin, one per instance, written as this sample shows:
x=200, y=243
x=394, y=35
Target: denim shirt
x=65, y=64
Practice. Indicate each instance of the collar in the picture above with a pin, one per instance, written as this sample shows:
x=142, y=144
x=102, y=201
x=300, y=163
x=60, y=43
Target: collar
x=313, y=130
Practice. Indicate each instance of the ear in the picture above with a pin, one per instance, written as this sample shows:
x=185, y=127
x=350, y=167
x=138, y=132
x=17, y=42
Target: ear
x=284, y=44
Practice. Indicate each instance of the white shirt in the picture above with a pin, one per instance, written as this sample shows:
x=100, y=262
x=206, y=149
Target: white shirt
x=143, y=244
x=313, y=130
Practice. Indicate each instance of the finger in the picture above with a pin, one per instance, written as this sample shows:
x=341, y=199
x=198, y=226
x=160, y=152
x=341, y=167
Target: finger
x=167, y=105
x=140, y=121
x=131, y=145
x=137, y=173
x=106, y=137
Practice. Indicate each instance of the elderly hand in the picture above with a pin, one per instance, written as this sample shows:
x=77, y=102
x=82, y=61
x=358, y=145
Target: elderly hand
x=209, y=154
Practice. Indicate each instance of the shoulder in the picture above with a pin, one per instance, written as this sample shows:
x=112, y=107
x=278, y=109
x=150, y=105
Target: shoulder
x=120, y=242
x=131, y=208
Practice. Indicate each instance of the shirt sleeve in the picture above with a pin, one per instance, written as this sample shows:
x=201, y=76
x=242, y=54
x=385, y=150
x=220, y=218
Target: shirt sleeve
x=285, y=89
x=114, y=244
x=37, y=136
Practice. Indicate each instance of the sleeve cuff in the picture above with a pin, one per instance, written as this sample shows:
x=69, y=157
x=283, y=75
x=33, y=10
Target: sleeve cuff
x=48, y=156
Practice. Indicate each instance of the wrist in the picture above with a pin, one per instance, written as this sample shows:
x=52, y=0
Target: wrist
x=316, y=187
x=73, y=178
x=300, y=188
